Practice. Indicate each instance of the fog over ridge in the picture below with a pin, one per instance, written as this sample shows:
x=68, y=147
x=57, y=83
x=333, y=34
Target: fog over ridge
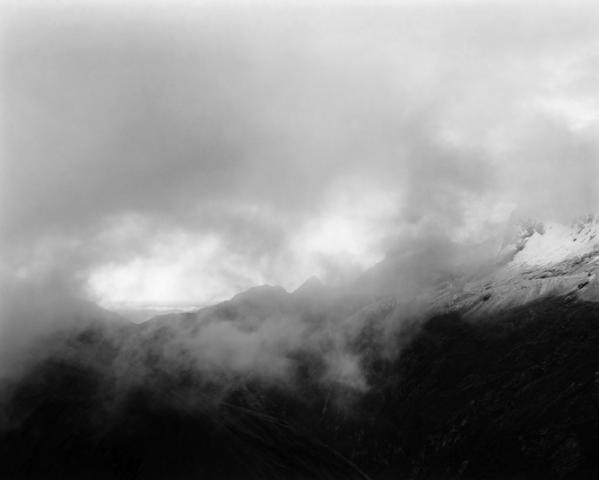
x=177, y=159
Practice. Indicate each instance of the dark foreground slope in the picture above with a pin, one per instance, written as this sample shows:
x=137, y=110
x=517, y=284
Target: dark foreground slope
x=513, y=395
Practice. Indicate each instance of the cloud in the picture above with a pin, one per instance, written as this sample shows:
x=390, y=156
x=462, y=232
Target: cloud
x=296, y=140
x=177, y=157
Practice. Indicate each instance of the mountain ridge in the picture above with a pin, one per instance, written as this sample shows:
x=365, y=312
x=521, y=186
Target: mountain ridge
x=490, y=375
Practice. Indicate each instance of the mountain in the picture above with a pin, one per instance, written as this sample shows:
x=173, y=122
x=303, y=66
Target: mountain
x=310, y=288
x=544, y=259
x=489, y=372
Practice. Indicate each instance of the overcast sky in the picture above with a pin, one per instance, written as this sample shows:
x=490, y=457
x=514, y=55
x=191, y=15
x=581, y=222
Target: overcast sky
x=160, y=154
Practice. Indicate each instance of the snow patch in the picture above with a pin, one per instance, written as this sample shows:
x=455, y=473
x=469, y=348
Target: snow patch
x=559, y=242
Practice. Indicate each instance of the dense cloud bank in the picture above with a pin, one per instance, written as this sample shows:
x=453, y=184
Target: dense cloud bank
x=223, y=147
x=155, y=157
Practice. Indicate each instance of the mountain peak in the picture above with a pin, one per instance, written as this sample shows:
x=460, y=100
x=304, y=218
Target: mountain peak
x=310, y=286
x=260, y=293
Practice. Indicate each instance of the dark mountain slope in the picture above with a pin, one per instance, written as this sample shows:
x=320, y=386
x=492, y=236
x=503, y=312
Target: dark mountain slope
x=512, y=395
x=68, y=428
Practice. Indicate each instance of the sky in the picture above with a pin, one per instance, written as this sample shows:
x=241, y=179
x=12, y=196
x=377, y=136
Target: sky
x=160, y=155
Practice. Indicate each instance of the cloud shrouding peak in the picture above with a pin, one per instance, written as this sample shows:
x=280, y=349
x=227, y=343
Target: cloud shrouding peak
x=179, y=157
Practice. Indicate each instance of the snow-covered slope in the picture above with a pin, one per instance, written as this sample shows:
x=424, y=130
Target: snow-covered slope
x=555, y=243
x=540, y=260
